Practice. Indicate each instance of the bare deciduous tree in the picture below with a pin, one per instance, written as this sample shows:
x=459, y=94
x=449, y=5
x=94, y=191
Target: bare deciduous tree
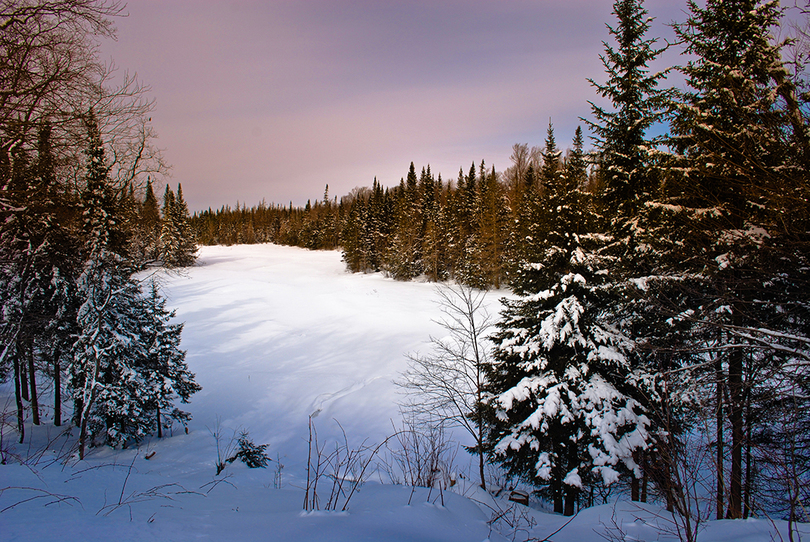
x=446, y=386
x=50, y=72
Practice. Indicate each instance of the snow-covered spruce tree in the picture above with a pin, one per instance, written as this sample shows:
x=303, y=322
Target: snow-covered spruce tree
x=23, y=274
x=576, y=164
x=176, y=235
x=460, y=225
x=562, y=389
x=535, y=217
x=403, y=259
x=354, y=236
x=126, y=362
x=642, y=232
x=621, y=133
x=148, y=227
x=165, y=362
x=563, y=412
x=107, y=389
x=435, y=241
x=743, y=195
x=482, y=263
x=186, y=253
x=169, y=232
x=36, y=246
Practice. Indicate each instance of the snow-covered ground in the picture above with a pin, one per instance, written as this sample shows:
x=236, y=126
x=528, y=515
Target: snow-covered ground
x=276, y=335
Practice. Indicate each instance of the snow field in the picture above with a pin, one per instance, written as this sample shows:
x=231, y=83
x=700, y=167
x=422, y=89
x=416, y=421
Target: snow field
x=274, y=335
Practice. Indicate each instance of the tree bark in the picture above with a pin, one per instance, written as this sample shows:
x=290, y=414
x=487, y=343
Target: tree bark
x=556, y=488
x=32, y=380
x=159, y=424
x=57, y=389
x=18, y=396
x=570, y=500
x=646, y=477
x=23, y=373
x=720, y=420
x=735, y=415
x=571, y=492
x=748, y=459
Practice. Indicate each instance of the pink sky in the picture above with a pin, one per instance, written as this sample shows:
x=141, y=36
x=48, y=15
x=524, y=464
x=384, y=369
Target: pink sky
x=274, y=100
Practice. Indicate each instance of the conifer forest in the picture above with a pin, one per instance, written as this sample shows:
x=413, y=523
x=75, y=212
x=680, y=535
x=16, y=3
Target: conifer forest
x=657, y=323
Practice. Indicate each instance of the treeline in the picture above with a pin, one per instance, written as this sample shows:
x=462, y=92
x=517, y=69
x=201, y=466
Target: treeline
x=475, y=230
x=315, y=227
x=78, y=221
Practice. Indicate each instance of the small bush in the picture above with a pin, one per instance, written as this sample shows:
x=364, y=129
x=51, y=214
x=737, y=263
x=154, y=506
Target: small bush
x=251, y=454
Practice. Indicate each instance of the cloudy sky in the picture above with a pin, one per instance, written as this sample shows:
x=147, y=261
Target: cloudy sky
x=275, y=99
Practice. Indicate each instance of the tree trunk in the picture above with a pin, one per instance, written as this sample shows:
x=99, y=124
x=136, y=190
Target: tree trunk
x=570, y=500
x=86, y=406
x=78, y=408
x=645, y=476
x=557, y=490
x=32, y=380
x=748, y=459
x=159, y=424
x=571, y=492
x=57, y=389
x=82, y=437
x=735, y=415
x=481, y=467
x=480, y=428
x=635, y=483
x=86, y=414
x=18, y=396
x=720, y=420
x=23, y=373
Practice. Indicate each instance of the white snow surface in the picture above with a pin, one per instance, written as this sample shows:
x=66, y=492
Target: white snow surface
x=274, y=335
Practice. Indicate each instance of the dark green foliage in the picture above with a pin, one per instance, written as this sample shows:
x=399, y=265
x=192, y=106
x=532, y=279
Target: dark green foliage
x=126, y=365
x=249, y=453
x=149, y=227
x=553, y=348
x=177, y=239
x=620, y=135
x=164, y=359
x=740, y=184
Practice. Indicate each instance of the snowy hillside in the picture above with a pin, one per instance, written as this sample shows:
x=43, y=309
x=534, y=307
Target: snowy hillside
x=276, y=335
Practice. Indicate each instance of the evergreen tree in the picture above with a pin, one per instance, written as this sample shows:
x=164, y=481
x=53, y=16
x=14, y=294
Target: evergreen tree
x=169, y=232
x=638, y=227
x=626, y=151
x=176, y=235
x=743, y=158
x=109, y=391
x=564, y=413
x=565, y=363
x=550, y=170
x=112, y=390
x=576, y=165
x=126, y=362
x=165, y=362
x=560, y=370
x=186, y=246
x=150, y=224
x=404, y=257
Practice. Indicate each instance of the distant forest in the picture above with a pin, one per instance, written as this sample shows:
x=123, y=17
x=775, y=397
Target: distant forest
x=475, y=230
